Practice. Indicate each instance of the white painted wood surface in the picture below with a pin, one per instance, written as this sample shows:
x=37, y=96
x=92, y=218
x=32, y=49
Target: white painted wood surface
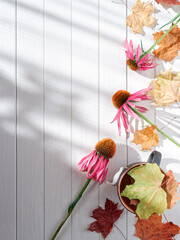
x=61, y=62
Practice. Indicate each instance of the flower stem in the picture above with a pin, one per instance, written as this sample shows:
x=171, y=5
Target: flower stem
x=71, y=208
x=148, y=121
x=149, y=50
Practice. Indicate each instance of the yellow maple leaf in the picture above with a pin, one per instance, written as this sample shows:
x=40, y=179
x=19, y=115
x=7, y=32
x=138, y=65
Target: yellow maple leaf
x=141, y=16
x=146, y=137
x=166, y=89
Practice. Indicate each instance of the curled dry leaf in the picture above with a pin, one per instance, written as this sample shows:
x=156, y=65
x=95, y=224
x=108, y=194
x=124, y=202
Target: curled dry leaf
x=166, y=89
x=134, y=202
x=105, y=218
x=154, y=229
x=147, y=188
x=147, y=137
x=141, y=16
x=169, y=45
x=168, y=2
x=170, y=186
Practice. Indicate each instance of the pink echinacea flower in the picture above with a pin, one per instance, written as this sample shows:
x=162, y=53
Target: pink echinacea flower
x=125, y=102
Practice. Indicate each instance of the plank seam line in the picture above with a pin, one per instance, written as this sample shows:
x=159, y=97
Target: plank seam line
x=44, y=134
x=16, y=63
x=71, y=45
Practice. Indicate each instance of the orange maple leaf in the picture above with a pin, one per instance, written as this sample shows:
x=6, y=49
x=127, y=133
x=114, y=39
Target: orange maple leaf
x=169, y=45
x=147, y=137
x=170, y=186
x=154, y=229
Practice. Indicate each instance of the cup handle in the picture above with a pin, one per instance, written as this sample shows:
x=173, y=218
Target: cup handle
x=155, y=157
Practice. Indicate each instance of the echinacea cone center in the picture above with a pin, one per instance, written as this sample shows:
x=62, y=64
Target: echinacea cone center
x=106, y=147
x=120, y=97
x=132, y=64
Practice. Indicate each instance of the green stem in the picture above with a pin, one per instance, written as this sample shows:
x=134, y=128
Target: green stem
x=149, y=50
x=71, y=208
x=148, y=121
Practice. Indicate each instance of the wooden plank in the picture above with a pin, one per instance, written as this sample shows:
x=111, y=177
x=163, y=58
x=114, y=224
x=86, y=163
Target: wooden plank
x=57, y=116
x=137, y=81
x=7, y=122
x=112, y=74
x=30, y=161
x=84, y=108
x=170, y=152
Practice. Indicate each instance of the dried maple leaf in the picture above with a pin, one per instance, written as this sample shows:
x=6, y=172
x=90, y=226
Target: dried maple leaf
x=147, y=188
x=141, y=16
x=169, y=45
x=154, y=229
x=167, y=2
x=105, y=218
x=170, y=186
x=147, y=137
x=166, y=89
x=134, y=202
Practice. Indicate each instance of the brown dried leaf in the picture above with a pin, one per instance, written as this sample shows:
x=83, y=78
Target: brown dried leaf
x=141, y=16
x=169, y=45
x=147, y=137
x=134, y=202
x=154, y=229
x=170, y=186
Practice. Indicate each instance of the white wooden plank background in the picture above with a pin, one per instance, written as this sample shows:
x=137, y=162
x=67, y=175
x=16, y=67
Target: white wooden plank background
x=61, y=62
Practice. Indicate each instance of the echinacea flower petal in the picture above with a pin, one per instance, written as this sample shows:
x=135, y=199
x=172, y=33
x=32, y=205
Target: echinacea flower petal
x=141, y=109
x=134, y=99
x=117, y=115
x=102, y=168
x=119, y=126
x=141, y=92
x=95, y=170
x=129, y=55
x=135, y=61
x=147, y=67
x=131, y=104
x=145, y=97
x=128, y=107
x=106, y=171
x=85, y=165
x=92, y=163
x=130, y=112
x=96, y=163
x=144, y=59
x=129, y=49
x=126, y=44
x=82, y=165
x=125, y=122
x=138, y=53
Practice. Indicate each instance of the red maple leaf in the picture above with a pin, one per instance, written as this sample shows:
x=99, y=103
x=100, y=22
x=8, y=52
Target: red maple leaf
x=105, y=218
x=154, y=229
x=167, y=2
